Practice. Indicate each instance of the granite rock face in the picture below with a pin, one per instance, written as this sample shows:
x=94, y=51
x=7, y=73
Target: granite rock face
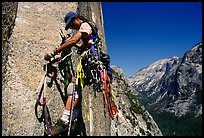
x=134, y=119
x=30, y=30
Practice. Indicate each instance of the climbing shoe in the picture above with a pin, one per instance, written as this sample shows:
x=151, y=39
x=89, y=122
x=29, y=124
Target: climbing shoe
x=59, y=127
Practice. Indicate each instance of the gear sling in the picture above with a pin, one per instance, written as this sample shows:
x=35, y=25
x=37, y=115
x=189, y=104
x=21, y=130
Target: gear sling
x=94, y=68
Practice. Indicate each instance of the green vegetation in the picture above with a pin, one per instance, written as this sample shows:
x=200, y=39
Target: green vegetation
x=149, y=124
x=137, y=108
x=170, y=125
x=148, y=134
x=132, y=120
x=142, y=131
x=199, y=96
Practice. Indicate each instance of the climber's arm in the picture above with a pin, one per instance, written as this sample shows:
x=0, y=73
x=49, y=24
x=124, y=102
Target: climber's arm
x=69, y=43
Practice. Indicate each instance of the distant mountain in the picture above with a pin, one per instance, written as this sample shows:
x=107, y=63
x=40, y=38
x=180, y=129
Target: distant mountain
x=171, y=90
x=146, y=79
x=174, y=84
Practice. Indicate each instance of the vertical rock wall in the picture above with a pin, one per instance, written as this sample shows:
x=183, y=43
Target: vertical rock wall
x=36, y=31
x=99, y=122
x=9, y=11
x=31, y=30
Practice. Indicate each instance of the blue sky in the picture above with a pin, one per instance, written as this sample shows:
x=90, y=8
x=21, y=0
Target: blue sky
x=140, y=33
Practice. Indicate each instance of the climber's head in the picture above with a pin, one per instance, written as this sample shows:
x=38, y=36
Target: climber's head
x=73, y=20
x=69, y=18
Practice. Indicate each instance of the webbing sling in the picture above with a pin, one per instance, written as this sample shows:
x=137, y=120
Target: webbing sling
x=80, y=78
x=45, y=113
x=69, y=73
x=80, y=74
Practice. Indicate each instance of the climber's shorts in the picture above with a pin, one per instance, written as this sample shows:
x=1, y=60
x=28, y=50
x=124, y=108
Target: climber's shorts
x=76, y=95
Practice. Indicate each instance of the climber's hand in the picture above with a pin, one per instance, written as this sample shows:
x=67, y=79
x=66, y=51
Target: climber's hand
x=50, y=55
x=78, y=45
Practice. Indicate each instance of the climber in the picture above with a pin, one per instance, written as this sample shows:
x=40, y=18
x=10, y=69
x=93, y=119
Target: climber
x=74, y=21
x=84, y=33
